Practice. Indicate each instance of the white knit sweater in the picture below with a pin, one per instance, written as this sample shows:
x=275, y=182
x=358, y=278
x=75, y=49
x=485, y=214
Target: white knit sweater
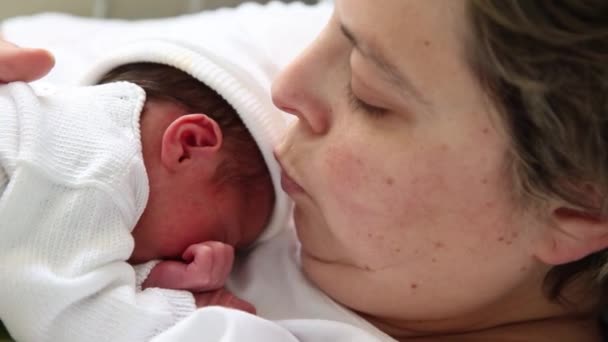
x=72, y=187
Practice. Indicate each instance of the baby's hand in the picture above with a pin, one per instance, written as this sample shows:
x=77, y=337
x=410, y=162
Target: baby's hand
x=209, y=264
x=206, y=267
x=222, y=297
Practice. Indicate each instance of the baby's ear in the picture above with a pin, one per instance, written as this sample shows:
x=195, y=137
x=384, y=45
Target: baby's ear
x=190, y=136
x=573, y=235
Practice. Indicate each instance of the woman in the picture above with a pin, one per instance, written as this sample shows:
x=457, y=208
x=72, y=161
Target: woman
x=448, y=167
x=459, y=157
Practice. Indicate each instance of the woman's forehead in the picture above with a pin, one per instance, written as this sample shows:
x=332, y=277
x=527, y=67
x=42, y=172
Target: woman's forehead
x=398, y=30
x=423, y=42
x=402, y=18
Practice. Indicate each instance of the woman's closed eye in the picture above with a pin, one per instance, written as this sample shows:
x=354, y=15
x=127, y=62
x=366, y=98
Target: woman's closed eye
x=358, y=104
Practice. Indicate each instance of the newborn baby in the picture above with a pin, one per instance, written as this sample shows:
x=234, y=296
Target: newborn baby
x=153, y=169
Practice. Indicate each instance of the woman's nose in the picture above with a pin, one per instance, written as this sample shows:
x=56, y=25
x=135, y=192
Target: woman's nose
x=298, y=90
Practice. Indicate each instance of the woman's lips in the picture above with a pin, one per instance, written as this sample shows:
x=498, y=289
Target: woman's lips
x=289, y=185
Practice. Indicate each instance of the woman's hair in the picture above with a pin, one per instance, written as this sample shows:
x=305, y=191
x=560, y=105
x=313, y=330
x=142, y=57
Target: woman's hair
x=544, y=64
x=244, y=164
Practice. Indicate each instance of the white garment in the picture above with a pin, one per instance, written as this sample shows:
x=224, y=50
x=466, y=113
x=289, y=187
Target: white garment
x=76, y=187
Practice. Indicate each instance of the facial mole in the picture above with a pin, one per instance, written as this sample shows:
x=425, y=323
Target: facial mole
x=414, y=286
x=427, y=43
x=390, y=181
x=439, y=244
x=505, y=240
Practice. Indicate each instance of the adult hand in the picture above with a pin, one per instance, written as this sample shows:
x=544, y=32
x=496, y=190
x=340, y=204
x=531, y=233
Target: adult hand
x=23, y=64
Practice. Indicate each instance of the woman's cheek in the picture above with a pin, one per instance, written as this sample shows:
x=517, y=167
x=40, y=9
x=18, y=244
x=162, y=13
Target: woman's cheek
x=349, y=177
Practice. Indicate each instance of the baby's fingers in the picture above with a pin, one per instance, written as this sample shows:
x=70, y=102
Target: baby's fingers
x=223, y=260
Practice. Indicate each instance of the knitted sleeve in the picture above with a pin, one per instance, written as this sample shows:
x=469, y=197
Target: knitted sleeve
x=64, y=277
x=142, y=271
x=65, y=225
x=8, y=133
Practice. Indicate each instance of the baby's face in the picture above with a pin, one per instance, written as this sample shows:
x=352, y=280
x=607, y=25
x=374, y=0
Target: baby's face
x=205, y=214
x=186, y=206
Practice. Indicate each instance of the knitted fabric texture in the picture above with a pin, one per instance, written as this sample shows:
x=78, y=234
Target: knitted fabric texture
x=77, y=187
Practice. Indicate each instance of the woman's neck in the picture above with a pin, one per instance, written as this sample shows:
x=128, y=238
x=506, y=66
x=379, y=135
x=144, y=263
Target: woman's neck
x=565, y=329
x=524, y=316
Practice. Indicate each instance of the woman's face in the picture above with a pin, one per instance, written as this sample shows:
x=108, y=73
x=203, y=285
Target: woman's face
x=404, y=201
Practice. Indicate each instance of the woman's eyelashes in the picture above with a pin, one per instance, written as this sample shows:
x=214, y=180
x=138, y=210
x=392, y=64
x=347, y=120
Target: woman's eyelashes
x=357, y=104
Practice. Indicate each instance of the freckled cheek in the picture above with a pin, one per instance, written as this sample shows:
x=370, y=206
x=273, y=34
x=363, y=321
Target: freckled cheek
x=345, y=170
x=366, y=181
x=352, y=178
x=425, y=185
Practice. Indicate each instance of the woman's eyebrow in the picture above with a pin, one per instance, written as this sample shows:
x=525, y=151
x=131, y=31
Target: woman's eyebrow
x=390, y=72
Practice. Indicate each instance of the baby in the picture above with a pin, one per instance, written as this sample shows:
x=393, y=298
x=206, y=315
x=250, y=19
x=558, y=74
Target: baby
x=152, y=168
x=232, y=194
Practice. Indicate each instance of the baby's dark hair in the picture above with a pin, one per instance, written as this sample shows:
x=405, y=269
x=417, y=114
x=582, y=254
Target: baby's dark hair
x=244, y=164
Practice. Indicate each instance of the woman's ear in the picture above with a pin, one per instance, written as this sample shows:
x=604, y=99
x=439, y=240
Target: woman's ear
x=573, y=235
x=190, y=137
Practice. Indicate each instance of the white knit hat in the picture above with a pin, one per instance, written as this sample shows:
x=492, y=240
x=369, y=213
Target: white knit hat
x=249, y=97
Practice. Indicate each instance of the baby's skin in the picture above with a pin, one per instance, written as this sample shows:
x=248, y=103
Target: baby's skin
x=203, y=271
